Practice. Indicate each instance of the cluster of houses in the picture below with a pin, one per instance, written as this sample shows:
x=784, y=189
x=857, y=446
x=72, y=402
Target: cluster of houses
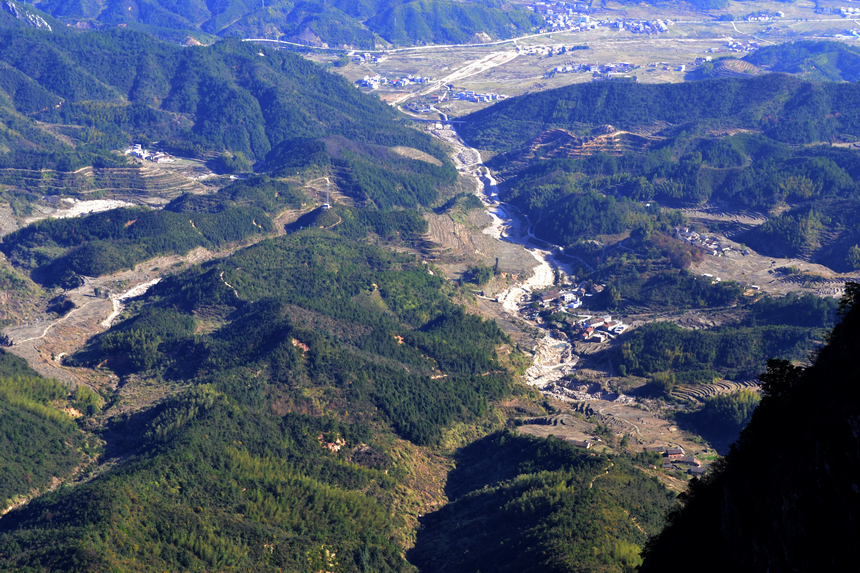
x=374, y=82
x=469, y=95
x=596, y=70
x=673, y=457
x=368, y=58
x=599, y=329
x=850, y=12
x=648, y=27
x=763, y=16
x=548, y=50
x=563, y=16
x=573, y=17
x=570, y=298
x=137, y=150
x=542, y=7
x=596, y=329
x=733, y=46
x=709, y=244
x=568, y=69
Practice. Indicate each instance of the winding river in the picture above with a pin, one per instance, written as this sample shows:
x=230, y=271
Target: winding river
x=553, y=359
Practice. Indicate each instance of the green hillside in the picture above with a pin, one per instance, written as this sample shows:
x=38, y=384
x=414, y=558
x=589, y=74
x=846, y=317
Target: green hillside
x=439, y=22
x=234, y=470
x=819, y=61
x=525, y=504
x=39, y=442
x=225, y=96
x=281, y=445
x=60, y=251
x=783, y=499
x=69, y=101
x=342, y=23
x=783, y=108
x=583, y=160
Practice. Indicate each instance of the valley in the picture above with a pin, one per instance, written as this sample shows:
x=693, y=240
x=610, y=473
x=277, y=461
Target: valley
x=644, y=423
x=552, y=59
x=486, y=301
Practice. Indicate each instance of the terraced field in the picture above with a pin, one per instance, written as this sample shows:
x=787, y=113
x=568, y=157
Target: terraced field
x=119, y=182
x=559, y=143
x=700, y=392
x=730, y=68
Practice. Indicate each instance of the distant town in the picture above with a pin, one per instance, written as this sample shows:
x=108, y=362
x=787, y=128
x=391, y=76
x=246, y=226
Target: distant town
x=574, y=17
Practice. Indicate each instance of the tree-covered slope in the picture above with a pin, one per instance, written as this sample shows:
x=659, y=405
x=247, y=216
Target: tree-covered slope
x=60, y=251
x=584, y=160
x=281, y=446
x=785, y=498
x=440, y=22
x=523, y=504
x=68, y=100
x=225, y=96
x=39, y=440
x=342, y=23
x=782, y=107
x=819, y=61
x=313, y=383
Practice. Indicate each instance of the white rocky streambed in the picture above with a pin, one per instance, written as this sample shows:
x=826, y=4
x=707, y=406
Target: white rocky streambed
x=70, y=207
x=120, y=298
x=553, y=359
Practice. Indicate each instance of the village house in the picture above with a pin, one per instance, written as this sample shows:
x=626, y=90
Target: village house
x=686, y=460
x=581, y=443
x=548, y=296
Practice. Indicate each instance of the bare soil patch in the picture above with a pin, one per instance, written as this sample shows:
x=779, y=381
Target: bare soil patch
x=413, y=153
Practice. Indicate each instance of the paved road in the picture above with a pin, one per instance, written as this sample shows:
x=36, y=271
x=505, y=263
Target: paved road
x=541, y=34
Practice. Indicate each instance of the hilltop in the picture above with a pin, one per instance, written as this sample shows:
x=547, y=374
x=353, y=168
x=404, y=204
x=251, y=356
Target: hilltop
x=820, y=61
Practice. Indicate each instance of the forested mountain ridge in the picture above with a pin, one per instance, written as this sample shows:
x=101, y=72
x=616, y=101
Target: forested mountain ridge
x=58, y=252
x=807, y=59
x=820, y=61
x=580, y=160
x=782, y=107
x=785, y=498
x=311, y=380
x=68, y=100
x=343, y=23
x=520, y=504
